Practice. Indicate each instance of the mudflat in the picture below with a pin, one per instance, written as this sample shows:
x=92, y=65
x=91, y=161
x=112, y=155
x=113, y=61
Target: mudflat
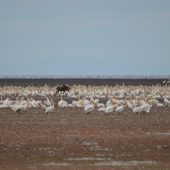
x=68, y=138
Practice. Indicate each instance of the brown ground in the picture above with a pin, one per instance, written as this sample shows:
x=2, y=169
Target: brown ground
x=70, y=139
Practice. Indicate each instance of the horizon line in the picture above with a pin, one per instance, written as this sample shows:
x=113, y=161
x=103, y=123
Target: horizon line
x=85, y=76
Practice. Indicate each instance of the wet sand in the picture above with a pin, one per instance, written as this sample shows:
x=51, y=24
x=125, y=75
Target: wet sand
x=68, y=138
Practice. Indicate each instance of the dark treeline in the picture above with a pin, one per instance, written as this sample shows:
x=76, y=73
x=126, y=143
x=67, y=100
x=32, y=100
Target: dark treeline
x=58, y=81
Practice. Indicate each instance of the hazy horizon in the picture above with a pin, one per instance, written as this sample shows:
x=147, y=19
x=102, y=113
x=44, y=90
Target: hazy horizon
x=85, y=37
x=85, y=77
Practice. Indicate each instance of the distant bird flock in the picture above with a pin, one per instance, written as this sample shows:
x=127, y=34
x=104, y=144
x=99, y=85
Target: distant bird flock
x=106, y=99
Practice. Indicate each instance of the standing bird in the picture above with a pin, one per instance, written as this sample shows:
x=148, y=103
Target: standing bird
x=18, y=108
x=109, y=109
x=129, y=104
x=167, y=102
x=62, y=103
x=43, y=107
x=49, y=109
x=47, y=102
x=142, y=108
x=99, y=105
x=119, y=108
x=88, y=108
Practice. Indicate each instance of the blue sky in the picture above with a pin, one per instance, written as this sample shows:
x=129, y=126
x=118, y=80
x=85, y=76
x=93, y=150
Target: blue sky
x=84, y=37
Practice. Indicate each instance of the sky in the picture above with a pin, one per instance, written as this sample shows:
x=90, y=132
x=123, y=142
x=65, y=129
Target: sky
x=84, y=37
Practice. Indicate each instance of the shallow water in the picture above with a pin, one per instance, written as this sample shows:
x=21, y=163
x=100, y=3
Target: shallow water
x=99, y=162
x=125, y=163
x=159, y=133
x=56, y=164
x=166, y=133
x=88, y=159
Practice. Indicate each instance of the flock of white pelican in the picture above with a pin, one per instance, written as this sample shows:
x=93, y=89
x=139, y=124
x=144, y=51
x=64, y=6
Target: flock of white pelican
x=116, y=98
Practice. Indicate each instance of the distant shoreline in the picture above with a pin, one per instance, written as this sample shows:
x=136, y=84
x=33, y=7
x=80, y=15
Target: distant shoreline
x=84, y=76
x=82, y=81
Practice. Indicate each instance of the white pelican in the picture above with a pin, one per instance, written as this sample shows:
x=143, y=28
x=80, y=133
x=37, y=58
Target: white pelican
x=62, y=103
x=109, y=102
x=32, y=103
x=100, y=105
x=119, y=108
x=109, y=108
x=3, y=106
x=130, y=105
x=43, y=107
x=95, y=101
x=78, y=103
x=6, y=101
x=167, y=102
x=18, y=108
x=142, y=108
x=49, y=109
x=47, y=102
x=88, y=108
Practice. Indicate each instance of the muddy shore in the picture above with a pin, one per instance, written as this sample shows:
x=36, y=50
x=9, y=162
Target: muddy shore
x=68, y=138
